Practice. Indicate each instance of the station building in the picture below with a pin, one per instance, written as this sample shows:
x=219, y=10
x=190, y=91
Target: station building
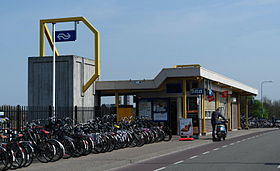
x=184, y=91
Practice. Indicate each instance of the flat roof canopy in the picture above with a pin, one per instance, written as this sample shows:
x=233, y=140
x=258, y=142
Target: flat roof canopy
x=180, y=71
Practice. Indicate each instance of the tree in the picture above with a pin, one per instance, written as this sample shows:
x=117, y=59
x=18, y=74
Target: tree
x=255, y=107
x=272, y=107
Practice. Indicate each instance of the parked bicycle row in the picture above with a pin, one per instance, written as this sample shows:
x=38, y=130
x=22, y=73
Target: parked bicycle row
x=255, y=122
x=59, y=139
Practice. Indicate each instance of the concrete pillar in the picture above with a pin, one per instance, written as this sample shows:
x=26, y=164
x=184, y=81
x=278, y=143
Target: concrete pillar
x=185, y=108
x=179, y=113
x=126, y=100
x=238, y=112
x=229, y=112
x=97, y=99
x=247, y=113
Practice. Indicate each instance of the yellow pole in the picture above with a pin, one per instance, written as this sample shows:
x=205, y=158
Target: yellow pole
x=203, y=114
x=247, y=114
x=50, y=39
x=229, y=112
x=97, y=63
x=217, y=103
x=42, y=40
x=44, y=30
x=238, y=112
x=184, y=98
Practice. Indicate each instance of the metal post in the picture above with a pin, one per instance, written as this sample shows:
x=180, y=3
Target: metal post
x=53, y=69
x=262, y=95
x=76, y=115
x=18, y=118
x=50, y=111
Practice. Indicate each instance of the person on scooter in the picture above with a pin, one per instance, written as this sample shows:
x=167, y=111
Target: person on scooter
x=214, y=118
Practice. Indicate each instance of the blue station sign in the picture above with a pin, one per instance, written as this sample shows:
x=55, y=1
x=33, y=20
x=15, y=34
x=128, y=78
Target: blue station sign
x=197, y=91
x=66, y=35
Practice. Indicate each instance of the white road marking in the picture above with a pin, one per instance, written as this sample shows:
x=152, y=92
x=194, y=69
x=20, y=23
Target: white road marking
x=238, y=141
x=243, y=140
x=206, y=152
x=278, y=167
x=231, y=143
x=224, y=146
x=193, y=157
x=160, y=169
x=178, y=162
x=216, y=149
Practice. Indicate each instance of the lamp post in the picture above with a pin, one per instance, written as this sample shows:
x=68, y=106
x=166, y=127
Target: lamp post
x=53, y=70
x=262, y=95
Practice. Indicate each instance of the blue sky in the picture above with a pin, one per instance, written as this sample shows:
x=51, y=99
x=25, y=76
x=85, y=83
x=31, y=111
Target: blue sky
x=237, y=38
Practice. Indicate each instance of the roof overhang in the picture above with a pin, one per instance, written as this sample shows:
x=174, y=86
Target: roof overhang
x=194, y=72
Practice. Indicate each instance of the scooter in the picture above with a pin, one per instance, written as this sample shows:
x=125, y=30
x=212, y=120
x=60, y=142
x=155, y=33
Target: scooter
x=221, y=130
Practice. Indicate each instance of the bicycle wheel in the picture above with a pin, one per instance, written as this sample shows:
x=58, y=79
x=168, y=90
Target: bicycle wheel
x=98, y=145
x=90, y=144
x=4, y=159
x=69, y=148
x=80, y=147
x=59, y=149
x=45, y=152
x=135, y=139
x=167, y=134
x=18, y=157
x=29, y=153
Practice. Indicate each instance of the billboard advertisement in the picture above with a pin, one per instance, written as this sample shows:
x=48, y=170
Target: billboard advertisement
x=186, y=127
x=160, y=110
x=145, y=109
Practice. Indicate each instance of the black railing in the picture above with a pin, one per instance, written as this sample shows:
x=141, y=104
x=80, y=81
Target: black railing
x=19, y=116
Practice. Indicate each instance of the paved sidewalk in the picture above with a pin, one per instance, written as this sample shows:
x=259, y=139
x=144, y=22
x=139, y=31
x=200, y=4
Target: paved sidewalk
x=124, y=157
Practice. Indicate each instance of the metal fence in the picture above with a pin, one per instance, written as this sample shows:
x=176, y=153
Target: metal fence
x=18, y=116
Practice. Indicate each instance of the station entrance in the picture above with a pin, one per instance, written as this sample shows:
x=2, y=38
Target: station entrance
x=181, y=93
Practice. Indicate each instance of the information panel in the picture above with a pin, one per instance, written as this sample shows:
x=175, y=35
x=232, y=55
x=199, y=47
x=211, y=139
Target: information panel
x=186, y=127
x=160, y=110
x=145, y=109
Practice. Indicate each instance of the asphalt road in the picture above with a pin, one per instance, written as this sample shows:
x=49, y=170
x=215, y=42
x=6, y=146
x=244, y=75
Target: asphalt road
x=150, y=156
x=259, y=151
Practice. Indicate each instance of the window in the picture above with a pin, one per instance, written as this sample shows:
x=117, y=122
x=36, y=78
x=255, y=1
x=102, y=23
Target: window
x=145, y=109
x=209, y=106
x=208, y=114
x=174, y=88
x=194, y=84
x=192, y=104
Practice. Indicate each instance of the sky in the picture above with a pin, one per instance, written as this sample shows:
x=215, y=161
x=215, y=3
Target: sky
x=237, y=38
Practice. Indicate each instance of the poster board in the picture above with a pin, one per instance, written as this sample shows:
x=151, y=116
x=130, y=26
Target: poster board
x=145, y=109
x=124, y=112
x=160, y=110
x=186, y=127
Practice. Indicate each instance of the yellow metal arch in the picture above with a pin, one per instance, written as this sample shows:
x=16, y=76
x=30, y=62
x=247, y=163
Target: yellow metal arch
x=45, y=31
